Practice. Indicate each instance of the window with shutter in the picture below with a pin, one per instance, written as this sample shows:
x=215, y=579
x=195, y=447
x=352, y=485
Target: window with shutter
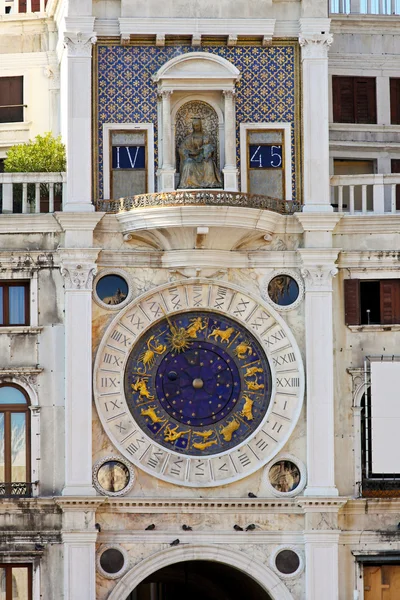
x=343, y=99
x=390, y=301
x=354, y=99
x=395, y=101
x=352, y=301
x=365, y=99
x=11, y=99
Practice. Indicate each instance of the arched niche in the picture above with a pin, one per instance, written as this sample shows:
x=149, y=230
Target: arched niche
x=262, y=574
x=202, y=77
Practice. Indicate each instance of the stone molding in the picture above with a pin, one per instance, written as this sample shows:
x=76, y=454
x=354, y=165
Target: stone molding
x=232, y=28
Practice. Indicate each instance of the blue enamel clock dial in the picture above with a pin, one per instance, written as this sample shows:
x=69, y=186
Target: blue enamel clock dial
x=198, y=383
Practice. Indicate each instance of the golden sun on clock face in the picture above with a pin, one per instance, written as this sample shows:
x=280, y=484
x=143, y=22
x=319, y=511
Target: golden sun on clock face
x=199, y=384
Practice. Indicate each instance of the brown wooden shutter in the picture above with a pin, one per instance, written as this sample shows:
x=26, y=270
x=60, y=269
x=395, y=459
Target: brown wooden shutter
x=365, y=99
x=390, y=301
x=396, y=169
x=11, y=93
x=343, y=99
x=395, y=101
x=352, y=301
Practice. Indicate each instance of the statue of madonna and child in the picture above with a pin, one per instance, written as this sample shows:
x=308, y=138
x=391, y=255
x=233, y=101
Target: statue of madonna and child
x=197, y=160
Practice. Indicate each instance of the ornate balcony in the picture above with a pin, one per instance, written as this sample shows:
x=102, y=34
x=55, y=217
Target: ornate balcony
x=198, y=198
x=17, y=489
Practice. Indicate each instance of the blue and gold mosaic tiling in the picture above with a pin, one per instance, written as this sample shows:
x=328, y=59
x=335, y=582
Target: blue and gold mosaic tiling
x=126, y=93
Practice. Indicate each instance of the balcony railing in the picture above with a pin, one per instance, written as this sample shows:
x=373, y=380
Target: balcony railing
x=17, y=489
x=366, y=194
x=31, y=192
x=365, y=7
x=198, y=198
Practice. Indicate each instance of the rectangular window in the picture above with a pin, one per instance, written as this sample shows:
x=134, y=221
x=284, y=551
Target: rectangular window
x=14, y=303
x=11, y=99
x=265, y=163
x=395, y=101
x=354, y=99
x=15, y=582
x=372, y=302
x=128, y=163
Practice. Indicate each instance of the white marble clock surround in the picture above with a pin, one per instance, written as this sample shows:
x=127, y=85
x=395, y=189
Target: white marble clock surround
x=286, y=367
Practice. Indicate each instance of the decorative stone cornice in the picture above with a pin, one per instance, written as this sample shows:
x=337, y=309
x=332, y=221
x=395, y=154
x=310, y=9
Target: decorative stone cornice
x=201, y=505
x=79, y=44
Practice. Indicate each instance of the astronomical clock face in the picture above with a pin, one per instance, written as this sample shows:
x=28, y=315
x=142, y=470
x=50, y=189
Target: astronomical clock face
x=198, y=384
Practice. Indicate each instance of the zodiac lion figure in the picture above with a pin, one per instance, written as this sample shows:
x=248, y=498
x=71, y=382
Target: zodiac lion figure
x=223, y=334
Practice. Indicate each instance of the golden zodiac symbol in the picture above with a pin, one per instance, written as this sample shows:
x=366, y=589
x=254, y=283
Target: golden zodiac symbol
x=195, y=325
x=224, y=335
x=151, y=413
x=140, y=386
x=147, y=358
x=252, y=371
x=229, y=429
x=254, y=385
x=204, y=445
x=242, y=349
x=170, y=435
x=204, y=434
x=247, y=410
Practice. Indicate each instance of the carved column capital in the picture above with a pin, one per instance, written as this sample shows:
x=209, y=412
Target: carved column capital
x=319, y=278
x=79, y=44
x=315, y=45
x=78, y=268
x=229, y=94
x=165, y=94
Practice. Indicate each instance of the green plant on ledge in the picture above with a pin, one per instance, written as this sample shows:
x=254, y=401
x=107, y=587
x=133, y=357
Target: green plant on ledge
x=44, y=154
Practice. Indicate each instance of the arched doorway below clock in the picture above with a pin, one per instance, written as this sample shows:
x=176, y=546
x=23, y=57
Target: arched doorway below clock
x=198, y=580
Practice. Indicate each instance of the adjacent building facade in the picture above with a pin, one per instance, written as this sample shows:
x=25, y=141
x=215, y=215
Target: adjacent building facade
x=199, y=319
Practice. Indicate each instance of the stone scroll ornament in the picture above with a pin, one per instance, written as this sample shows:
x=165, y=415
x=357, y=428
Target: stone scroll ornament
x=199, y=383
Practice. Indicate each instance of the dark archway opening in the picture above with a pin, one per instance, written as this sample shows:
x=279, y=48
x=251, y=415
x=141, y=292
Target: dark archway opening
x=198, y=580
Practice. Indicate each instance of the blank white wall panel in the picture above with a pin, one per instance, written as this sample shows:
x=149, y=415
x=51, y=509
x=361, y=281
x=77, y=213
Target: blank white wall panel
x=385, y=415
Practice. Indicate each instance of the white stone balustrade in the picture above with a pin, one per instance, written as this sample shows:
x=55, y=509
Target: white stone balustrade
x=365, y=194
x=8, y=180
x=365, y=7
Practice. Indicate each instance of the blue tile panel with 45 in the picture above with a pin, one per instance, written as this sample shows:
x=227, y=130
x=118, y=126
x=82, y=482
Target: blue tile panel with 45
x=126, y=92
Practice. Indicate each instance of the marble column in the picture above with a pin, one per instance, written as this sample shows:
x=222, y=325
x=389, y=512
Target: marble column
x=230, y=171
x=79, y=537
x=78, y=268
x=76, y=112
x=314, y=59
x=321, y=540
x=318, y=271
x=166, y=174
